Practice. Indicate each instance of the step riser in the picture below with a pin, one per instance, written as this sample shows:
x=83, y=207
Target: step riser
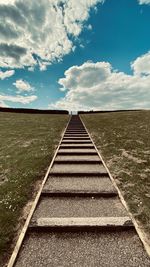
x=64, y=141
x=46, y=193
x=75, y=147
x=77, y=162
x=83, y=228
x=76, y=130
x=80, y=174
x=76, y=153
x=70, y=137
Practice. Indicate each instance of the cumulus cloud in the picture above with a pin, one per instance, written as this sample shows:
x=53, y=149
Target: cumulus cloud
x=17, y=99
x=141, y=2
x=40, y=32
x=6, y=2
x=6, y=74
x=23, y=86
x=87, y=75
x=98, y=86
x=141, y=66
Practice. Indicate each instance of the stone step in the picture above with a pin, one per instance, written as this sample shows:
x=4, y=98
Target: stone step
x=79, y=141
x=82, y=162
x=61, y=207
x=77, y=152
x=70, y=137
x=96, y=222
x=76, y=136
x=75, y=128
x=81, y=146
x=78, y=168
x=80, y=174
x=82, y=183
x=78, y=158
x=76, y=131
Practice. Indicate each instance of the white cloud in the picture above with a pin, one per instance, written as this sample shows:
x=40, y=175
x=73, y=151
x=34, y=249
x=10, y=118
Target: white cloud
x=3, y=105
x=41, y=28
x=17, y=99
x=141, y=2
x=6, y=2
x=6, y=74
x=89, y=27
x=23, y=86
x=31, y=69
x=97, y=86
x=141, y=66
x=75, y=13
x=86, y=75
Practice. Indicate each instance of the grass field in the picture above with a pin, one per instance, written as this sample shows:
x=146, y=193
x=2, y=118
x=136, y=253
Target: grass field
x=27, y=144
x=124, y=142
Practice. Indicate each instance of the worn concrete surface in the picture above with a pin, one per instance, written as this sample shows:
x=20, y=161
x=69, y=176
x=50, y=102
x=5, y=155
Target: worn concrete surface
x=78, y=168
x=79, y=207
x=78, y=158
x=83, y=249
x=68, y=150
x=79, y=183
x=90, y=222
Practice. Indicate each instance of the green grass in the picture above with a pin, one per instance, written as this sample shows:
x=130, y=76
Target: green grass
x=124, y=141
x=27, y=144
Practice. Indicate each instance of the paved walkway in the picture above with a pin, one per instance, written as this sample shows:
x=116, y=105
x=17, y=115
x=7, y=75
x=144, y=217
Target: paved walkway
x=79, y=220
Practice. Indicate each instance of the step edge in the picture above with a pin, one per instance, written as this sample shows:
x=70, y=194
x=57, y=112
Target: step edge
x=82, y=222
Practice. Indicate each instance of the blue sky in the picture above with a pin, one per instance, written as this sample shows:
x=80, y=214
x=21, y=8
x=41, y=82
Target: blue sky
x=78, y=63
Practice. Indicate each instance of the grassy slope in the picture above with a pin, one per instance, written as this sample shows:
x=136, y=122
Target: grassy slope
x=27, y=144
x=124, y=141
